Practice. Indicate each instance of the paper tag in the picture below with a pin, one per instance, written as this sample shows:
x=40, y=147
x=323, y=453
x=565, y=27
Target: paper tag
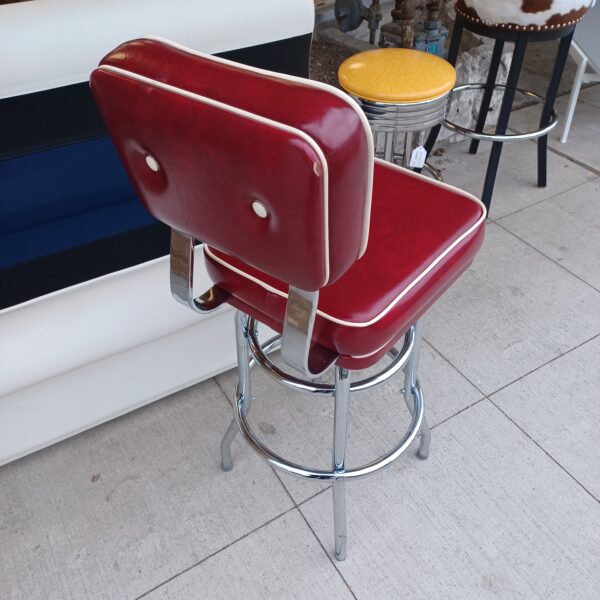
x=418, y=158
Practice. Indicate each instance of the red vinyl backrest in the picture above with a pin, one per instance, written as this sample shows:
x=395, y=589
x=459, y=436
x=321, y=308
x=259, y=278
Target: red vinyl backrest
x=272, y=169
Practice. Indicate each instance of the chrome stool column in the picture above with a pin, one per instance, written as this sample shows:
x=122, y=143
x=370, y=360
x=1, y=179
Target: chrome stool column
x=403, y=93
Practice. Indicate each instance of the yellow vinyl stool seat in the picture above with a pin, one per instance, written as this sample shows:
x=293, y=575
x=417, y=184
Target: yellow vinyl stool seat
x=396, y=75
x=400, y=91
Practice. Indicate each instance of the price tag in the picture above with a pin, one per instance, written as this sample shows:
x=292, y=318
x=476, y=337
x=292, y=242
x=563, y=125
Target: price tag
x=418, y=158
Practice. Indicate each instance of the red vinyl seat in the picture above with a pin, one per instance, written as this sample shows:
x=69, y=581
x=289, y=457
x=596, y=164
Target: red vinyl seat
x=423, y=235
x=303, y=229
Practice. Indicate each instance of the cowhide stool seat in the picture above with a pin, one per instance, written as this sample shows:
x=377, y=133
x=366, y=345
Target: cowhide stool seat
x=519, y=22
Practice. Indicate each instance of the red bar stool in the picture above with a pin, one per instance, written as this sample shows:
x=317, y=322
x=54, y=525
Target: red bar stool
x=303, y=230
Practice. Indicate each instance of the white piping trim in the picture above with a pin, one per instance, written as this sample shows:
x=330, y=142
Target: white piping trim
x=317, y=85
x=408, y=288
x=252, y=117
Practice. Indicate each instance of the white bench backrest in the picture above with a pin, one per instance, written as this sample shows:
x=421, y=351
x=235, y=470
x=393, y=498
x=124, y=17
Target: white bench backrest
x=51, y=43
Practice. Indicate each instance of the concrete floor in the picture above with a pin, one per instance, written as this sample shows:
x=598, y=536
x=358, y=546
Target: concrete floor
x=507, y=506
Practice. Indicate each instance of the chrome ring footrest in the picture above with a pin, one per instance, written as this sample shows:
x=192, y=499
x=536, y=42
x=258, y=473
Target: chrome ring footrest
x=399, y=359
x=491, y=137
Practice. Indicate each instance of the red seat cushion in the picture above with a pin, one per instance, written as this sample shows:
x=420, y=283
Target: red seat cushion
x=423, y=236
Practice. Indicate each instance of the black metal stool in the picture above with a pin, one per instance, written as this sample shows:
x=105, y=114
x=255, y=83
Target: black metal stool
x=521, y=37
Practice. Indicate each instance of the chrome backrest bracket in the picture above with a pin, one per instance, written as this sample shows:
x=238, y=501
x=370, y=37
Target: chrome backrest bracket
x=297, y=350
x=182, y=276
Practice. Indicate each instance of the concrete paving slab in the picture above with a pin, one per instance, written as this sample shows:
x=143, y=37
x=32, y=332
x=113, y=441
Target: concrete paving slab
x=538, y=66
x=516, y=185
x=582, y=145
x=559, y=407
x=510, y=313
x=489, y=515
x=300, y=427
x=119, y=509
x=566, y=229
x=281, y=560
x=591, y=95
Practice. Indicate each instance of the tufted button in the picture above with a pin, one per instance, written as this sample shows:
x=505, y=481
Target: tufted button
x=260, y=209
x=152, y=163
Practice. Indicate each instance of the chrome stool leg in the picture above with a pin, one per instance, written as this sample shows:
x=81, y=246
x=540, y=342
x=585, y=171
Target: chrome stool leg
x=340, y=430
x=226, y=460
x=243, y=361
x=412, y=387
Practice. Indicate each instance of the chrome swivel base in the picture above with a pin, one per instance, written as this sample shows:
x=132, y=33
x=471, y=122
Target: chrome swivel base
x=250, y=352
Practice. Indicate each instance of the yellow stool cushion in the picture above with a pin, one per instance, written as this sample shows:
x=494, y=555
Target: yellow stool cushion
x=396, y=75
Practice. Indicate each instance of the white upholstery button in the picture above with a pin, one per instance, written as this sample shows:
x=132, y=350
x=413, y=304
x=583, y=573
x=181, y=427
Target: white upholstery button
x=260, y=209
x=152, y=163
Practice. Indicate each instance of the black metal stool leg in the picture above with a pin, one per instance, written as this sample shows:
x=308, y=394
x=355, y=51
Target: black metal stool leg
x=452, y=57
x=455, y=41
x=505, y=110
x=431, y=140
x=559, y=66
x=488, y=93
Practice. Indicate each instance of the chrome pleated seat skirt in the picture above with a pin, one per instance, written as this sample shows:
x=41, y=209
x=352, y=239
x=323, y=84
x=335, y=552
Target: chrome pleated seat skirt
x=390, y=121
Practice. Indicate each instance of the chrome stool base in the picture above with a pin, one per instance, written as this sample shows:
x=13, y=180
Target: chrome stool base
x=250, y=352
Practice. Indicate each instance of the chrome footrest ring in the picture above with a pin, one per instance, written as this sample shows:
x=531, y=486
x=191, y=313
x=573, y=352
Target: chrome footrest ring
x=292, y=468
x=399, y=359
x=492, y=137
